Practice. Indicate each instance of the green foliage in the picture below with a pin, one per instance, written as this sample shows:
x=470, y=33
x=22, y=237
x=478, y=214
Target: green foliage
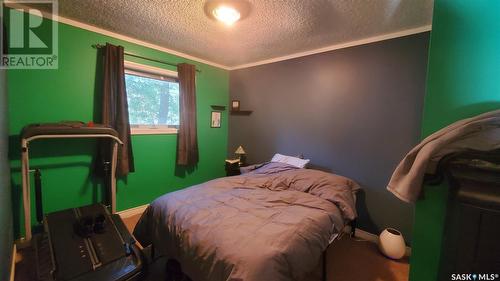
x=152, y=101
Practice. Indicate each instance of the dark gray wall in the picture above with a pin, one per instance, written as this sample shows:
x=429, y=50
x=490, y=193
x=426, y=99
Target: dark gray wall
x=5, y=198
x=353, y=111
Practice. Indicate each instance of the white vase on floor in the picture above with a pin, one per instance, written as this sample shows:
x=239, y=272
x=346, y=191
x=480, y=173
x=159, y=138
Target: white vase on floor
x=392, y=244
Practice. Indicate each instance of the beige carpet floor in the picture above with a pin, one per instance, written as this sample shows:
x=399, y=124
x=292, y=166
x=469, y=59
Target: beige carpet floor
x=348, y=260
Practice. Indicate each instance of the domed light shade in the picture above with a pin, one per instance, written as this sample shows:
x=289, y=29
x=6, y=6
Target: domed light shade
x=226, y=14
x=392, y=244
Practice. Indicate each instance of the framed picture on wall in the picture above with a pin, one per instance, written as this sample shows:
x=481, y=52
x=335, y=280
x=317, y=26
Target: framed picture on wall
x=235, y=105
x=216, y=119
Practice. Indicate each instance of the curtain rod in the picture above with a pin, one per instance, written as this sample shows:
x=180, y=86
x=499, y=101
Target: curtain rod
x=99, y=46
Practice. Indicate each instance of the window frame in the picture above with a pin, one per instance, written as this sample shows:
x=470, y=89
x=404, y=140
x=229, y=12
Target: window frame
x=152, y=72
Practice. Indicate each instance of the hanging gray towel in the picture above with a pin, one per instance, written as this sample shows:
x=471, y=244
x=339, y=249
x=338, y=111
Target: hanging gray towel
x=479, y=133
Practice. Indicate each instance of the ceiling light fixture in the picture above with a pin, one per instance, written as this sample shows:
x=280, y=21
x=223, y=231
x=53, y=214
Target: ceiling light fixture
x=226, y=14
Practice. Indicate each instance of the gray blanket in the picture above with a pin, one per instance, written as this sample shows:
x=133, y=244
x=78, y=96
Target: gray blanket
x=481, y=132
x=270, y=224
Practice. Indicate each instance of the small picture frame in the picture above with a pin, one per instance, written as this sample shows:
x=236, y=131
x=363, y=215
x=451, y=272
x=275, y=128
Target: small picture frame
x=235, y=105
x=215, y=121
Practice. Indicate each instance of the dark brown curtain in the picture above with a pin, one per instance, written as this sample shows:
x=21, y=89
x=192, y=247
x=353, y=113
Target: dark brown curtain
x=115, y=105
x=187, y=140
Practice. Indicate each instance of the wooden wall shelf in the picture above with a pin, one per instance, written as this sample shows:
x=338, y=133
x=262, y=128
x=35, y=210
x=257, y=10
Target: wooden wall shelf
x=241, y=112
x=218, y=107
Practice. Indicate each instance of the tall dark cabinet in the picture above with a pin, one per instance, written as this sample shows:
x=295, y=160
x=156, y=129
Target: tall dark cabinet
x=471, y=244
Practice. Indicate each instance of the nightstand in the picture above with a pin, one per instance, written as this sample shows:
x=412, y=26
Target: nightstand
x=232, y=169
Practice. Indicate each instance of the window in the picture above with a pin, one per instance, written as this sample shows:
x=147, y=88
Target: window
x=153, y=99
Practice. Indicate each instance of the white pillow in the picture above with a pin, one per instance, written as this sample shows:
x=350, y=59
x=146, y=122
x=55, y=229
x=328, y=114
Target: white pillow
x=290, y=160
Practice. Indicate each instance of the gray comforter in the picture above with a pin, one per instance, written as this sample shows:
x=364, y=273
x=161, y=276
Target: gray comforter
x=270, y=224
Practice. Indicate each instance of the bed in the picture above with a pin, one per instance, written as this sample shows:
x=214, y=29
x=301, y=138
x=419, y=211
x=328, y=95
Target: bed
x=273, y=223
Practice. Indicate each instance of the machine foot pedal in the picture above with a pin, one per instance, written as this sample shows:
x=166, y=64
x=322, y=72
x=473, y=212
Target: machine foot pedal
x=45, y=265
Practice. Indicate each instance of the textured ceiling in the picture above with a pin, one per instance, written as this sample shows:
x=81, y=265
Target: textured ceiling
x=273, y=28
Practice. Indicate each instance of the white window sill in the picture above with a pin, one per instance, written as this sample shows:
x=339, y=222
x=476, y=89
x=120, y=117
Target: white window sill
x=153, y=131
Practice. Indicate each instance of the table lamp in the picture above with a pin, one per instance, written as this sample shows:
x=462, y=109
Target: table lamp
x=241, y=154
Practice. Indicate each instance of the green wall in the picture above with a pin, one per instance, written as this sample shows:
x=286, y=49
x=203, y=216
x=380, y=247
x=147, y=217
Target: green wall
x=70, y=93
x=6, y=235
x=463, y=81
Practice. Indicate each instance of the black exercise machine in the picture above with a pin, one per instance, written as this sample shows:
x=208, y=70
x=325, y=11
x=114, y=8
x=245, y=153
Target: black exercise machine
x=84, y=243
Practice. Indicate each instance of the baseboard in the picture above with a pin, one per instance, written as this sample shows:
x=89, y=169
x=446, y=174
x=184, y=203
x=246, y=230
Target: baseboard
x=132, y=211
x=13, y=263
x=365, y=235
